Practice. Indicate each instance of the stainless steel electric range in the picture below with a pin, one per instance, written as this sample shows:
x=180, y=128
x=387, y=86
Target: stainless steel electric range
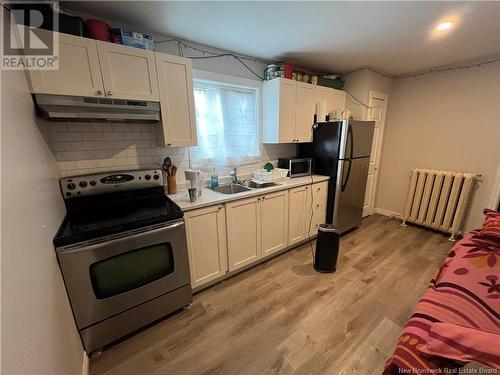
x=122, y=253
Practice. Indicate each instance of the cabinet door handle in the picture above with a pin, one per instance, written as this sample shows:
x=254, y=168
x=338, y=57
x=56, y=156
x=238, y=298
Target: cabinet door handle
x=307, y=187
x=263, y=198
x=109, y=93
x=219, y=207
x=99, y=92
x=169, y=144
x=317, y=206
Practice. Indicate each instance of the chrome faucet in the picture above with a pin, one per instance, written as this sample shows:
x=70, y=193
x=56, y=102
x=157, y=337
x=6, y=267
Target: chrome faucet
x=234, y=175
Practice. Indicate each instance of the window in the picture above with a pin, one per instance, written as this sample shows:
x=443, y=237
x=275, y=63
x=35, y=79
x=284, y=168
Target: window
x=226, y=121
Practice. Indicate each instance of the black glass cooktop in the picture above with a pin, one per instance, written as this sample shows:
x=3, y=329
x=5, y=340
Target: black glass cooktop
x=89, y=218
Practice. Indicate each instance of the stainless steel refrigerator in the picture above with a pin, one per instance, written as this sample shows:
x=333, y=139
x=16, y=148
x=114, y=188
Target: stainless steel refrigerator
x=341, y=150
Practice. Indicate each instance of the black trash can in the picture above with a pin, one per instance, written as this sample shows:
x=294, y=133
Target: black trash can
x=327, y=248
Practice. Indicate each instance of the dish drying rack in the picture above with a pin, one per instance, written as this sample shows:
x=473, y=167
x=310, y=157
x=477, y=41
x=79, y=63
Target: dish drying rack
x=276, y=174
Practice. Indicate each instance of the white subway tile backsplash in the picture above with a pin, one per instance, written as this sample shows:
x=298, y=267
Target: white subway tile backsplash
x=135, y=152
x=82, y=164
x=56, y=126
x=145, y=159
x=104, y=145
x=104, y=154
x=82, y=146
x=101, y=127
x=103, y=163
x=121, y=127
x=73, y=155
x=128, y=161
x=113, y=136
x=153, y=151
x=93, y=136
x=141, y=127
x=79, y=126
x=66, y=165
x=132, y=136
x=67, y=136
x=62, y=146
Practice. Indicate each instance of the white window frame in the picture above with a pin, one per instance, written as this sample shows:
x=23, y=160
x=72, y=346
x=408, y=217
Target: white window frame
x=203, y=76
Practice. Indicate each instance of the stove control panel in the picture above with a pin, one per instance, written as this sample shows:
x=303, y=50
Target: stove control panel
x=102, y=183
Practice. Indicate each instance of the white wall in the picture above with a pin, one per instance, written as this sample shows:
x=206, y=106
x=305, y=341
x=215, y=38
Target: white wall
x=448, y=120
x=359, y=84
x=39, y=335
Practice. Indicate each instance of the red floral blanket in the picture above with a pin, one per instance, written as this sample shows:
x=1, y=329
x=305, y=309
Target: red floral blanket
x=457, y=320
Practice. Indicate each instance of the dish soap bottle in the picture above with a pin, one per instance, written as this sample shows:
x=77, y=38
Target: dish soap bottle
x=214, y=179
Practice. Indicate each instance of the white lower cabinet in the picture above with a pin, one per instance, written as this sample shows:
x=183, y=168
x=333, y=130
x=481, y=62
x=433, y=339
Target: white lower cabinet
x=243, y=232
x=224, y=238
x=206, y=239
x=299, y=214
x=274, y=222
x=319, y=196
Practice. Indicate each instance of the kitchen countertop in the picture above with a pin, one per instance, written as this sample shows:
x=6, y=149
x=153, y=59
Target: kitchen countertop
x=209, y=197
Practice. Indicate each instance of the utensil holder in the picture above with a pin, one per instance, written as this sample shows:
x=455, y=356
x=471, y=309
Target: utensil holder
x=171, y=184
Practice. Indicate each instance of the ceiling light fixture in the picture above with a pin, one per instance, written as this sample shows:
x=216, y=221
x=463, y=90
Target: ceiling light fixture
x=445, y=26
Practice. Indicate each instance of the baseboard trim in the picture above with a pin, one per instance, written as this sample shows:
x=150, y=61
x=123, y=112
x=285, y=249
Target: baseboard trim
x=85, y=365
x=384, y=212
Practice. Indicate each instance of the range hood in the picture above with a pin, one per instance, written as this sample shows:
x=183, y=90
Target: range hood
x=60, y=108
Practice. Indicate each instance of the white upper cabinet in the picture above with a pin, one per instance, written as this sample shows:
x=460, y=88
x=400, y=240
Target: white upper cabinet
x=79, y=73
x=175, y=81
x=128, y=73
x=289, y=108
x=338, y=101
x=304, y=112
x=333, y=99
x=279, y=98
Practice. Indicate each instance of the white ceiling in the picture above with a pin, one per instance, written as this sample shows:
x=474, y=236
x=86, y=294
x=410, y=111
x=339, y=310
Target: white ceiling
x=394, y=37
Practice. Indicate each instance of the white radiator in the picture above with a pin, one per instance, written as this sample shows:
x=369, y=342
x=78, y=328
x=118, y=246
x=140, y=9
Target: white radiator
x=438, y=199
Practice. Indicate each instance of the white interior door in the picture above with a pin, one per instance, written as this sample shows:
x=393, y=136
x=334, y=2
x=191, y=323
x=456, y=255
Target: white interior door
x=377, y=112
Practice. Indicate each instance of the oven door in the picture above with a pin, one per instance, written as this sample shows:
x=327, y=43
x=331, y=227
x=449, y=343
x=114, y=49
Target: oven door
x=106, y=277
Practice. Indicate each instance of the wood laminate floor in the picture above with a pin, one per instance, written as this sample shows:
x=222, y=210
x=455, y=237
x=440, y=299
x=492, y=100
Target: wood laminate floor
x=282, y=317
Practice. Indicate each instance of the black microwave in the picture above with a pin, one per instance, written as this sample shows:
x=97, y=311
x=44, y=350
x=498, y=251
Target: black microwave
x=296, y=167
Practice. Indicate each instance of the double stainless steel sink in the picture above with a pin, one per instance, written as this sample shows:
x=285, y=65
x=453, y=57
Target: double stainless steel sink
x=240, y=188
x=231, y=189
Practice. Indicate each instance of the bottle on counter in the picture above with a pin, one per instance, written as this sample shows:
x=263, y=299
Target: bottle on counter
x=214, y=179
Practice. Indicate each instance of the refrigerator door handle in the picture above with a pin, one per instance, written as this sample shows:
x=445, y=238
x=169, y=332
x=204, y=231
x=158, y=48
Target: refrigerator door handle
x=344, y=183
x=351, y=141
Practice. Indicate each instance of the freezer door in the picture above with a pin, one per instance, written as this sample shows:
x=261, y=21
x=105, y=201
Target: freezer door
x=350, y=193
x=359, y=136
